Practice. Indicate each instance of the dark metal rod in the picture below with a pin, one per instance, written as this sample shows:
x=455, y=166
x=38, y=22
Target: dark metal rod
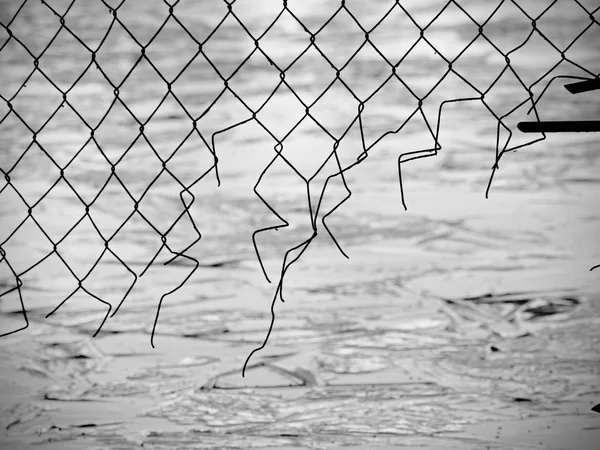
x=575, y=126
x=583, y=86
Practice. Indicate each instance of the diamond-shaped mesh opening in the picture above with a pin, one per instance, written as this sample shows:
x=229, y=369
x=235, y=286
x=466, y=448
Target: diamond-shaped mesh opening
x=198, y=86
x=336, y=109
x=117, y=54
x=28, y=234
x=33, y=174
x=143, y=20
x=508, y=27
x=65, y=60
x=422, y=69
x=534, y=59
x=161, y=205
x=34, y=25
x=563, y=23
x=37, y=101
x=497, y=96
x=253, y=78
x=340, y=39
x=307, y=148
x=136, y=242
x=58, y=211
x=281, y=112
x=285, y=41
x=91, y=97
x=366, y=72
x=395, y=35
x=63, y=136
x=138, y=167
x=188, y=161
x=142, y=91
x=89, y=21
x=480, y=64
x=310, y=75
x=160, y=50
x=81, y=248
x=88, y=172
x=117, y=132
x=579, y=53
x=168, y=127
x=111, y=208
x=451, y=32
x=228, y=47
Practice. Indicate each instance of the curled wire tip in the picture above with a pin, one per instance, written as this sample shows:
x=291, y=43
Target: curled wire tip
x=245, y=366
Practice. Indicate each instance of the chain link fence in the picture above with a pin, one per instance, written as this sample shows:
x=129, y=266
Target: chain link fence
x=129, y=41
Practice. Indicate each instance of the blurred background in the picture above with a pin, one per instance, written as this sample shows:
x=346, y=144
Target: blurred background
x=457, y=323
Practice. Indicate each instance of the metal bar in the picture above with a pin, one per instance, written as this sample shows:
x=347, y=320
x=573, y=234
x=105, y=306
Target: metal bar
x=575, y=126
x=583, y=86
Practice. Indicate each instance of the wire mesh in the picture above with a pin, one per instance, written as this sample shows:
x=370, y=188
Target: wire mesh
x=314, y=39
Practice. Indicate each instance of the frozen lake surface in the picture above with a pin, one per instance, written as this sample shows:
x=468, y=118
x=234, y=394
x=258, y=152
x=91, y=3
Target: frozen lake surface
x=461, y=322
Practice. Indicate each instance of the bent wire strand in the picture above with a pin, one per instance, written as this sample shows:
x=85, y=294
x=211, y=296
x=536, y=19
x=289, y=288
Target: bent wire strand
x=317, y=212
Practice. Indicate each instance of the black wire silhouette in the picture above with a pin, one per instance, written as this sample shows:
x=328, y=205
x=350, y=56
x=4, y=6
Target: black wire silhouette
x=318, y=216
